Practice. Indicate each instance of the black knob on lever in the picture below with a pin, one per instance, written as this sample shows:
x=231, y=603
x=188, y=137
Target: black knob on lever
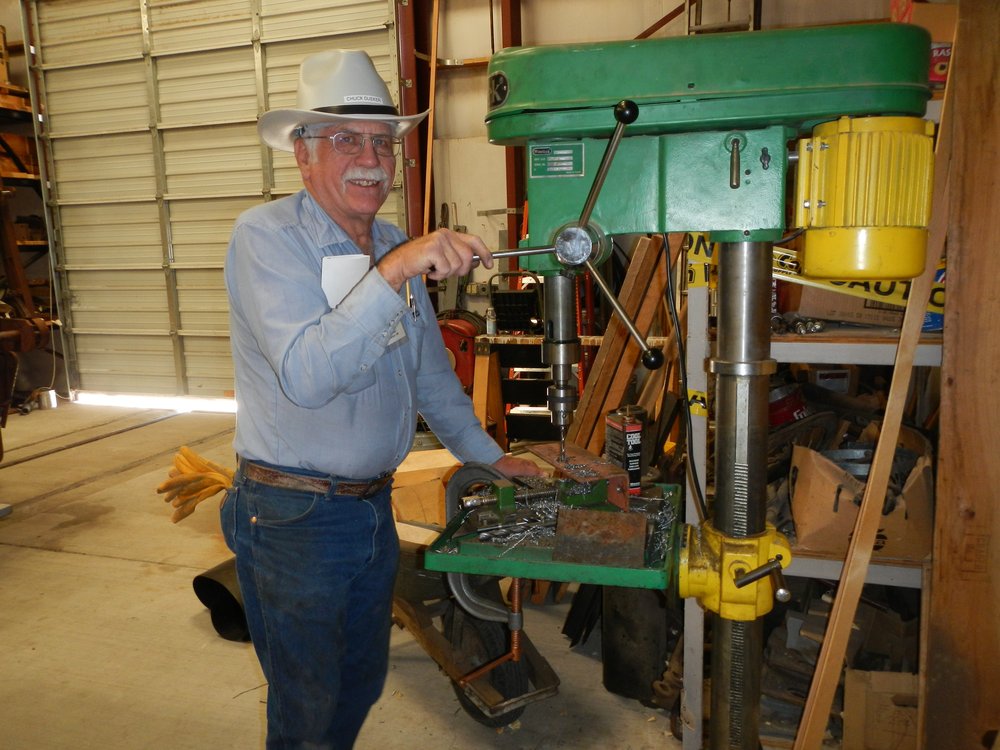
x=652, y=359
x=626, y=111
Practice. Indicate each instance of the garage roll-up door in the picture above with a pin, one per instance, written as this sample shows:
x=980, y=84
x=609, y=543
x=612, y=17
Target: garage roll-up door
x=150, y=111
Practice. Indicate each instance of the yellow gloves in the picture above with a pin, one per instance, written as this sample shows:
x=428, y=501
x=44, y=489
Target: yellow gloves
x=192, y=480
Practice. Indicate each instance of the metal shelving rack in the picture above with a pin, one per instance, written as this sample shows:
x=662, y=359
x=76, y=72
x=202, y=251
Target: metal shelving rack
x=858, y=347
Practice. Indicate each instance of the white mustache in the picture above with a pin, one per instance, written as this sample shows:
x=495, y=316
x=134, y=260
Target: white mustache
x=376, y=174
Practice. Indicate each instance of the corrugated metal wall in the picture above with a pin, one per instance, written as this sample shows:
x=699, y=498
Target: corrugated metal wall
x=150, y=122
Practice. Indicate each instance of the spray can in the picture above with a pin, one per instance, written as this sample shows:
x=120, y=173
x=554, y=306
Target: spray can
x=491, y=322
x=623, y=442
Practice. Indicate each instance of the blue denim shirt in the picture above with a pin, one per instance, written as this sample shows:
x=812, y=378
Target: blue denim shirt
x=326, y=390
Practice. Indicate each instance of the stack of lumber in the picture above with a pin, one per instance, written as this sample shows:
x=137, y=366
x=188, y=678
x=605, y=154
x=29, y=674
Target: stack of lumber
x=641, y=296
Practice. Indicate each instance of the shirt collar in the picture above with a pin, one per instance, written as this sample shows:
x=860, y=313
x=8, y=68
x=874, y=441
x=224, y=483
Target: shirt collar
x=329, y=232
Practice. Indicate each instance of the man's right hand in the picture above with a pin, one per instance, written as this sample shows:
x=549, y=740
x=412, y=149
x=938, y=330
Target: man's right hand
x=439, y=255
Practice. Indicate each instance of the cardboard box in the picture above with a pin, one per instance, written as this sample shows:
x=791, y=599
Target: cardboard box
x=813, y=302
x=880, y=710
x=836, y=378
x=940, y=19
x=825, y=501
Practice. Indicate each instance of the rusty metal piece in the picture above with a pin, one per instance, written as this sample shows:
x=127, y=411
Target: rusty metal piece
x=600, y=537
x=582, y=466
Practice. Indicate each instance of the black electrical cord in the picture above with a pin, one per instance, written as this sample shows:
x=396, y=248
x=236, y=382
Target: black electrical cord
x=682, y=374
x=790, y=236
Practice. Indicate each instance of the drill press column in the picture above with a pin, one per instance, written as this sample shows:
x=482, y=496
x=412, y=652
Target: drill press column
x=742, y=366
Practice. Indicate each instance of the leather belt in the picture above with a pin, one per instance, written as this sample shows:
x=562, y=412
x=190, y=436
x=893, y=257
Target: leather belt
x=290, y=481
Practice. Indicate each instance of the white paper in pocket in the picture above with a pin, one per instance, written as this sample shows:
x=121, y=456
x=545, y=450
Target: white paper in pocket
x=340, y=274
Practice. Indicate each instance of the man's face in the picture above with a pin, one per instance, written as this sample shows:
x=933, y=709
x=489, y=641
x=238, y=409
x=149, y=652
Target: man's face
x=350, y=187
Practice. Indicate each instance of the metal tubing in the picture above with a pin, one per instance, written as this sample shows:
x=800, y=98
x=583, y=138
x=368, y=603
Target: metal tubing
x=602, y=173
x=473, y=603
x=742, y=365
x=518, y=252
x=561, y=347
x=744, y=345
x=736, y=670
x=515, y=638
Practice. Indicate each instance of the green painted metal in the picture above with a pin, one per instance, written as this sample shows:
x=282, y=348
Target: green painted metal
x=457, y=552
x=638, y=196
x=791, y=77
x=673, y=170
x=504, y=491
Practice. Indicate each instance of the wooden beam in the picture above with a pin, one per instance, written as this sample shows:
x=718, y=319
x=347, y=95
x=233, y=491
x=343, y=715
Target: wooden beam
x=487, y=399
x=962, y=701
x=429, y=153
x=408, y=105
x=589, y=413
x=648, y=32
x=629, y=360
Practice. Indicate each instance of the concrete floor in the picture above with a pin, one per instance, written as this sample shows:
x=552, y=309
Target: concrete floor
x=104, y=646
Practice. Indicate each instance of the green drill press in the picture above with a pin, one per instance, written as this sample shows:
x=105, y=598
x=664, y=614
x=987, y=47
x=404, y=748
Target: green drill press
x=697, y=134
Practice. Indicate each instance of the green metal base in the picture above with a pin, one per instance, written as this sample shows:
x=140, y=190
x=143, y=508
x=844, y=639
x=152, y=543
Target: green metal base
x=458, y=550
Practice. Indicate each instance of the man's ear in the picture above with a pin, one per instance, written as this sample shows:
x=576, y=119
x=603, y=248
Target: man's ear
x=302, y=156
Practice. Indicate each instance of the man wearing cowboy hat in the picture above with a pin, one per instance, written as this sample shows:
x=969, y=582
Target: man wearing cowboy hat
x=328, y=386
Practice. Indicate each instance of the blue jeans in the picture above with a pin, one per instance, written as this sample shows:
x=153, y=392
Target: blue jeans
x=316, y=572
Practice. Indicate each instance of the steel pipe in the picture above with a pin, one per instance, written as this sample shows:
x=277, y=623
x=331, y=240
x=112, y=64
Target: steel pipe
x=742, y=370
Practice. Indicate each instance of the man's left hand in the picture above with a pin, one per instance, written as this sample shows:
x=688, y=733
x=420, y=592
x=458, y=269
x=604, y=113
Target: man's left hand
x=512, y=466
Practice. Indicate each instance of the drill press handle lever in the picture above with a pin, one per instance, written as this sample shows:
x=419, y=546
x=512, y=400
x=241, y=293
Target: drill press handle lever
x=626, y=112
x=772, y=569
x=575, y=244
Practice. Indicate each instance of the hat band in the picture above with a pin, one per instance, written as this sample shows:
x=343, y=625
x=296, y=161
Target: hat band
x=359, y=109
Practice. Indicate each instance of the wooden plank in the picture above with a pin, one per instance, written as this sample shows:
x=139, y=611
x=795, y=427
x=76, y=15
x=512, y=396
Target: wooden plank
x=432, y=109
x=962, y=701
x=652, y=390
x=487, y=400
x=830, y=662
x=645, y=258
x=629, y=359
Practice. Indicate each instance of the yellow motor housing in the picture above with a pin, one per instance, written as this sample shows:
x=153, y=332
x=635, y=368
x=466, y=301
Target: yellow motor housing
x=710, y=563
x=863, y=195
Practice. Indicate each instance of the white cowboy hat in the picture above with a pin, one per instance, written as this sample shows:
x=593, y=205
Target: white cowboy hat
x=335, y=86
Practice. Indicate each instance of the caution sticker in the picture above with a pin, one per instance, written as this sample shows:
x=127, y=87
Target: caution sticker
x=702, y=262
x=786, y=266
x=698, y=403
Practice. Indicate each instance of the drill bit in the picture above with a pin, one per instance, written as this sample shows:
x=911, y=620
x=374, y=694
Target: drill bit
x=562, y=443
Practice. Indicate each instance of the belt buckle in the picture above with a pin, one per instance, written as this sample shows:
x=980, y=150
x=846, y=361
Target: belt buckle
x=374, y=486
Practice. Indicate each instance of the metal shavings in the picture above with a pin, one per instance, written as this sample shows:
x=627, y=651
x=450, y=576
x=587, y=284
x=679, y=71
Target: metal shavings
x=537, y=522
x=535, y=483
x=580, y=470
x=662, y=523
x=532, y=534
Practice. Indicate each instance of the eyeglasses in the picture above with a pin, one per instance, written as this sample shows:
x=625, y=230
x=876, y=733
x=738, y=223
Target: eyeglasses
x=350, y=144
